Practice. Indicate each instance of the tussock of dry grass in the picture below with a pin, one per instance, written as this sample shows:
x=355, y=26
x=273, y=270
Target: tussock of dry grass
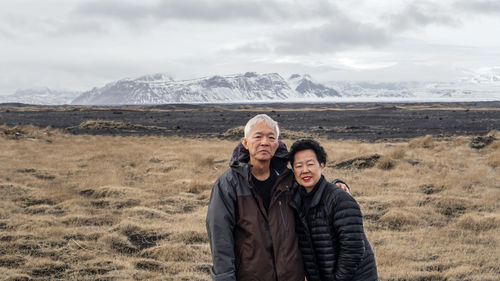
x=29, y=132
x=233, y=133
x=478, y=223
x=114, y=125
x=494, y=159
x=386, y=163
x=397, y=153
x=133, y=208
x=399, y=219
x=422, y=142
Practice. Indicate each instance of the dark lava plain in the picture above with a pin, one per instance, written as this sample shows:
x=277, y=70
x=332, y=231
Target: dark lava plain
x=361, y=121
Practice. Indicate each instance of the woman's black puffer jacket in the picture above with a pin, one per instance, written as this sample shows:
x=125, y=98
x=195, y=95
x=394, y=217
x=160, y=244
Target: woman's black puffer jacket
x=331, y=237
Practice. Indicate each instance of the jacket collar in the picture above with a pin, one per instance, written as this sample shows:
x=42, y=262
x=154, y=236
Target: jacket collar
x=321, y=185
x=296, y=202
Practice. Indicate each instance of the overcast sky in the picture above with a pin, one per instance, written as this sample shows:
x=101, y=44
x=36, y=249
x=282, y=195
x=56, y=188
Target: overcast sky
x=79, y=44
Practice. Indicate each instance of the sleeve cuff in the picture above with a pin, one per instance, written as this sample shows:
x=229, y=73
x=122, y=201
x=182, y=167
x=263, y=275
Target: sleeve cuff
x=226, y=276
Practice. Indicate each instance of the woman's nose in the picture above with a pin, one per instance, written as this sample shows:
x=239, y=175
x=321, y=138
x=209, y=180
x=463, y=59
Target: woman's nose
x=303, y=169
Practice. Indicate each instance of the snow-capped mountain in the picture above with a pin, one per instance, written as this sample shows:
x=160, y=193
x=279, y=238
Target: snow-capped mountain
x=42, y=96
x=416, y=91
x=159, y=89
x=475, y=85
x=482, y=75
x=309, y=89
x=363, y=89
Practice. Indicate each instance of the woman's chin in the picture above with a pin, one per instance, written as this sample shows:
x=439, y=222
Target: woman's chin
x=307, y=185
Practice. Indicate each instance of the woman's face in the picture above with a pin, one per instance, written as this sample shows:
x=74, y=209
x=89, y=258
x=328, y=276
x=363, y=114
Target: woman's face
x=307, y=169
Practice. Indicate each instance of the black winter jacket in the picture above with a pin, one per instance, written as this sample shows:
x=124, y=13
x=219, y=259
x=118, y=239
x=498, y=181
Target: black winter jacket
x=331, y=237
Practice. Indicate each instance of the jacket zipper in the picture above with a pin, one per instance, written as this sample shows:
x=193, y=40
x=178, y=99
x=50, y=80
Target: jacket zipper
x=282, y=215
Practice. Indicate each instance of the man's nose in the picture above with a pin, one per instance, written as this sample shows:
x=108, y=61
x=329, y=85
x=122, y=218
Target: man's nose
x=264, y=141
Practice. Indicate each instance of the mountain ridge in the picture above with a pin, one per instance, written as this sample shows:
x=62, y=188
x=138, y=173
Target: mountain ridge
x=247, y=87
x=41, y=96
x=251, y=87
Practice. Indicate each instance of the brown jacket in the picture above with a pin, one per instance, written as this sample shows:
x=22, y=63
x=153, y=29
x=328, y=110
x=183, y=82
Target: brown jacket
x=247, y=242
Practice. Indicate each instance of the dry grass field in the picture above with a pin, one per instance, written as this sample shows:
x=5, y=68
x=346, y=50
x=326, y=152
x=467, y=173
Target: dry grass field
x=80, y=207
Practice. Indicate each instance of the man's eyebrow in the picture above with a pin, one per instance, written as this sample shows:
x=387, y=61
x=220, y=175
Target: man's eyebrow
x=262, y=133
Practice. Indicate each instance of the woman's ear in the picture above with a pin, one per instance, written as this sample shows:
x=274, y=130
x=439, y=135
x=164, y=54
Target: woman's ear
x=322, y=165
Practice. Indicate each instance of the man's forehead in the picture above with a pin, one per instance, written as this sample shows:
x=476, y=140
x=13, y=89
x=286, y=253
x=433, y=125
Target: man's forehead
x=262, y=128
x=272, y=132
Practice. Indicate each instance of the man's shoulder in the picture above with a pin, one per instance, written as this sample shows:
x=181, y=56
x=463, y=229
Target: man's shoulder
x=228, y=175
x=232, y=179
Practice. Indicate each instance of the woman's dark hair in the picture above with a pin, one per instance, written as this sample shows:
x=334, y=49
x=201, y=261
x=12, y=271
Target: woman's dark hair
x=305, y=144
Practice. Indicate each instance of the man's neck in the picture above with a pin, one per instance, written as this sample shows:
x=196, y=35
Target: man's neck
x=260, y=169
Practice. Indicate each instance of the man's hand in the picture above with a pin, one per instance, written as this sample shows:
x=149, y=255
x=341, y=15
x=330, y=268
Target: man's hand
x=344, y=187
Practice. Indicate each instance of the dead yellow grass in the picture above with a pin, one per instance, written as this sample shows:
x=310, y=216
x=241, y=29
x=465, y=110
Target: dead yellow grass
x=133, y=208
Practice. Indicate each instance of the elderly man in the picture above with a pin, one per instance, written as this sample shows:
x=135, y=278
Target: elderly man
x=250, y=226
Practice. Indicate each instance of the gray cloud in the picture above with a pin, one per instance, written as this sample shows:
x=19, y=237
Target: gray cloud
x=78, y=28
x=251, y=48
x=209, y=10
x=331, y=37
x=481, y=6
x=421, y=14
x=114, y=9
x=39, y=26
x=6, y=33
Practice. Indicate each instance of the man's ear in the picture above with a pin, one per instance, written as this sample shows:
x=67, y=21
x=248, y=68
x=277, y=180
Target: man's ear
x=244, y=143
x=322, y=165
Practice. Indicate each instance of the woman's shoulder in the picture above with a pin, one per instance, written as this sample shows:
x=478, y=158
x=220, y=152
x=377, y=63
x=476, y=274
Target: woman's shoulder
x=334, y=193
x=333, y=190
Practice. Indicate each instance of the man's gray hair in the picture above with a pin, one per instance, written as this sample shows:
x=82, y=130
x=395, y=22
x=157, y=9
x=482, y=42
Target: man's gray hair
x=259, y=119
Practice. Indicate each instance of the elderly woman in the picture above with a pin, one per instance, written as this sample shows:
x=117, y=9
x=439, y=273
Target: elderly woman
x=328, y=221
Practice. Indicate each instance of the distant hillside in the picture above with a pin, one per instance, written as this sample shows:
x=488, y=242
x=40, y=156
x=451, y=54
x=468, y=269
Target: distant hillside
x=42, y=96
x=248, y=87
x=251, y=87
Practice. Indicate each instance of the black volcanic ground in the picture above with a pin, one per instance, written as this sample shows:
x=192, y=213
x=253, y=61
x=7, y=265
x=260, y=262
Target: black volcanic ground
x=370, y=121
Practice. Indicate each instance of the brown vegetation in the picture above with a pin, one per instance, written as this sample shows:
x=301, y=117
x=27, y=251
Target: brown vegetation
x=133, y=208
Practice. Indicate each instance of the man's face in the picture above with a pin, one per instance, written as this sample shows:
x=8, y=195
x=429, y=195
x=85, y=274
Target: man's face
x=261, y=142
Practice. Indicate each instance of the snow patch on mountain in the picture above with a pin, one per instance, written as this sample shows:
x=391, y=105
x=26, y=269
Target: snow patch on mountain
x=481, y=75
x=305, y=85
x=41, y=96
x=416, y=91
